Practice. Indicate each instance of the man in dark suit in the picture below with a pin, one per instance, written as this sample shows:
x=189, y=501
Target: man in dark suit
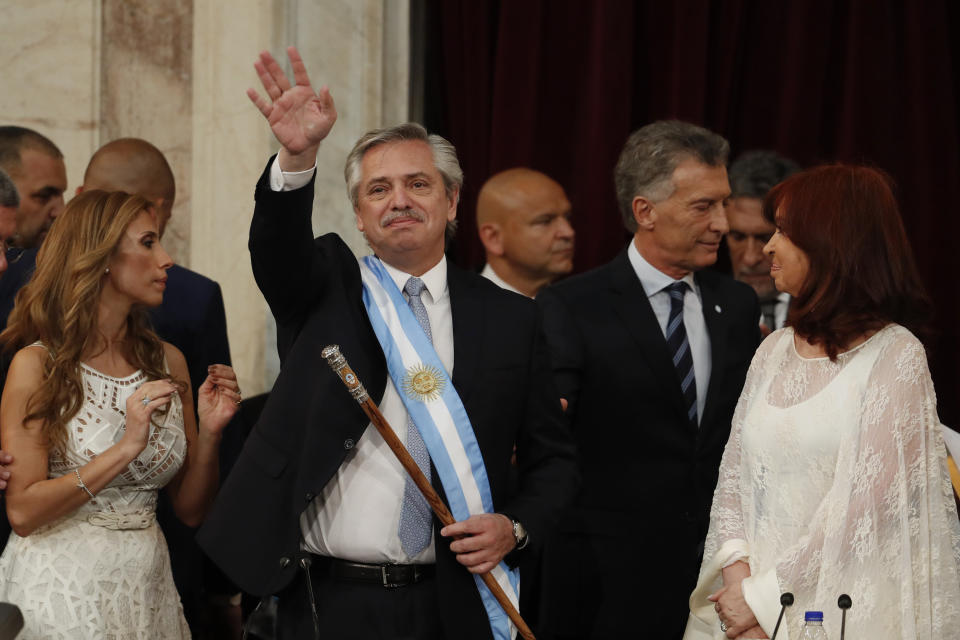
x=651, y=352
x=314, y=509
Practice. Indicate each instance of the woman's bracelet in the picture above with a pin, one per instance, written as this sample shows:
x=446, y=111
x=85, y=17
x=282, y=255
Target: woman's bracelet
x=82, y=485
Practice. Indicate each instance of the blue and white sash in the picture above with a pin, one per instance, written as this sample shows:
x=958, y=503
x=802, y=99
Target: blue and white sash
x=430, y=399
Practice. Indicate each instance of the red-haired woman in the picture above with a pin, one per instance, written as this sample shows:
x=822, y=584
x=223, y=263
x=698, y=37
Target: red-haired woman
x=834, y=479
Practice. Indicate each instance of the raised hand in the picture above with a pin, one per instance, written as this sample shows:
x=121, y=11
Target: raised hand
x=218, y=398
x=299, y=117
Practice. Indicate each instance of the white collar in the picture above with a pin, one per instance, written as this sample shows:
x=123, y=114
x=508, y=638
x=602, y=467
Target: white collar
x=435, y=279
x=492, y=276
x=652, y=279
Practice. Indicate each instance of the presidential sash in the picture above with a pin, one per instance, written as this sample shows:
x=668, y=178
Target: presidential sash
x=436, y=409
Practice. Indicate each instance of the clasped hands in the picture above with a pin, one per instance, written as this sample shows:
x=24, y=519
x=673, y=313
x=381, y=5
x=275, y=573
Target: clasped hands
x=735, y=613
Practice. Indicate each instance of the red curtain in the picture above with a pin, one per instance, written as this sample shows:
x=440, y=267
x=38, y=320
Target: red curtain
x=558, y=85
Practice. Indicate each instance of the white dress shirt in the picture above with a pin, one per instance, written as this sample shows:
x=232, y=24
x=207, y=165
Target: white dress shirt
x=654, y=284
x=492, y=276
x=357, y=514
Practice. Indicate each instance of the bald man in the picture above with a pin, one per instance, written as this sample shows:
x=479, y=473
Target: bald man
x=191, y=318
x=135, y=166
x=523, y=218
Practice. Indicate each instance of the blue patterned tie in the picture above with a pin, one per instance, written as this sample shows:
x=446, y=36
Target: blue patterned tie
x=416, y=519
x=680, y=350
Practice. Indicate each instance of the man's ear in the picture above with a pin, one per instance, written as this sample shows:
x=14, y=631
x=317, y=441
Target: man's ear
x=453, y=201
x=644, y=213
x=492, y=238
x=356, y=213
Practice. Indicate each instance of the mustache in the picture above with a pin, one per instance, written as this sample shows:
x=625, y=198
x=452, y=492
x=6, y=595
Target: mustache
x=401, y=213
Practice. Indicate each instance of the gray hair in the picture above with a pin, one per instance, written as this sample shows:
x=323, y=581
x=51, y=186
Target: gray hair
x=8, y=191
x=754, y=173
x=444, y=159
x=652, y=153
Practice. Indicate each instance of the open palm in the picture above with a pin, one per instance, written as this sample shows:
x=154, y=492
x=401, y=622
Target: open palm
x=299, y=117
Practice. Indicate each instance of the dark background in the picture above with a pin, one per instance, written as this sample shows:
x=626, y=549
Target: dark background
x=557, y=85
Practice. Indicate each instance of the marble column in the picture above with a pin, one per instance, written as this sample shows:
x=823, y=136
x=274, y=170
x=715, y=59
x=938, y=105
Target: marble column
x=357, y=48
x=174, y=72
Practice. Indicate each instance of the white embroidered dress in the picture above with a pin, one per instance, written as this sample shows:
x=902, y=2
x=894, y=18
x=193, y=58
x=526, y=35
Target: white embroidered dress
x=834, y=481
x=102, y=571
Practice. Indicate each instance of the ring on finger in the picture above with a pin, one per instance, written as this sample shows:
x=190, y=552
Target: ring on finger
x=145, y=401
x=723, y=626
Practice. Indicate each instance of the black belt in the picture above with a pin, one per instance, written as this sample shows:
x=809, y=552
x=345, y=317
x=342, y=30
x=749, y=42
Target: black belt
x=384, y=575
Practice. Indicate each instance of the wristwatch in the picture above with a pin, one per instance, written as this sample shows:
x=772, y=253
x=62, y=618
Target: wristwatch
x=519, y=534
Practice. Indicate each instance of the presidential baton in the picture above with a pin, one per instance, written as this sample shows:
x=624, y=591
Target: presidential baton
x=339, y=365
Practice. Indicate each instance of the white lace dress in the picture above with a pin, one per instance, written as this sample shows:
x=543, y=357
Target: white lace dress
x=834, y=481
x=103, y=571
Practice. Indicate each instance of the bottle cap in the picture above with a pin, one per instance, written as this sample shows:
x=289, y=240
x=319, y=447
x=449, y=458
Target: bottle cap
x=813, y=616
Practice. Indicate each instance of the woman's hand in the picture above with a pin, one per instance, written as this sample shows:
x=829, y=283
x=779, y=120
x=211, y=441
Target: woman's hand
x=733, y=609
x=141, y=404
x=218, y=398
x=755, y=632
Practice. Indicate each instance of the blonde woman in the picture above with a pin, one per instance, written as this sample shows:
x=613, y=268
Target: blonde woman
x=97, y=414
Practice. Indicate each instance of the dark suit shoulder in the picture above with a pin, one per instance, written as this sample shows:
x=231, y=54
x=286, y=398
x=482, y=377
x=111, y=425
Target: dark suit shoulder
x=179, y=274
x=725, y=284
x=490, y=292
x=582, y=283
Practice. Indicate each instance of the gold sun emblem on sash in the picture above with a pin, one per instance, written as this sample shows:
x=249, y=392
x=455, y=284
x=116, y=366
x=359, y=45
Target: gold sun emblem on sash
x=423, y=382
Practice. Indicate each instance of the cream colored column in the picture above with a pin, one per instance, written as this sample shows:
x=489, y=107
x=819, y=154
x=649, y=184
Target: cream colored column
x=345, y=46
x=146, y=64
x=50, y=56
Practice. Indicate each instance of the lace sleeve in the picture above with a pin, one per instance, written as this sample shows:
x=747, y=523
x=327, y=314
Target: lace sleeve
x=886, y=532
x=726, y=542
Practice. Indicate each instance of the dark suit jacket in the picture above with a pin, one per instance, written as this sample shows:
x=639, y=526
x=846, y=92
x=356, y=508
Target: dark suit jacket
x=20, y=266
x=310, y=422
x=648, y=475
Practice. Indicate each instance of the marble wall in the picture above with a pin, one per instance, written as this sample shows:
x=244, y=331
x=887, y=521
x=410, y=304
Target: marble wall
x=175, y=72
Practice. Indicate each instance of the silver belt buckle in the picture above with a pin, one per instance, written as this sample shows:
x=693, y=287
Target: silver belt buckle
x=385, y=580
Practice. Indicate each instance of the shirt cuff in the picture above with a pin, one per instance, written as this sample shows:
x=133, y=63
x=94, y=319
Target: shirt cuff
x=289, y=180
x=762, y=593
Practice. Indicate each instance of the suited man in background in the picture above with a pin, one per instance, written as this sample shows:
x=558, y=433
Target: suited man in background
x=651, y=352
x=752, y=175
x=314, y=509
x=35, y=164
x=523, y=218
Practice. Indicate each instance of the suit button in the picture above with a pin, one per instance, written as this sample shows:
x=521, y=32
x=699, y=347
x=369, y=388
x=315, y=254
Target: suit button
x=348, y=444
x=309, y=497
x=284, y=561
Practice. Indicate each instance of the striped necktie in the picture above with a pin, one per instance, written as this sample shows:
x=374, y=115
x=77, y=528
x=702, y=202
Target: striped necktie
x=416, y=519
x=679, y=348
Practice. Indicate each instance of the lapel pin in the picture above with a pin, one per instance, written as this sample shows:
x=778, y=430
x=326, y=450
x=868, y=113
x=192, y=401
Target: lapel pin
x=717, y=307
